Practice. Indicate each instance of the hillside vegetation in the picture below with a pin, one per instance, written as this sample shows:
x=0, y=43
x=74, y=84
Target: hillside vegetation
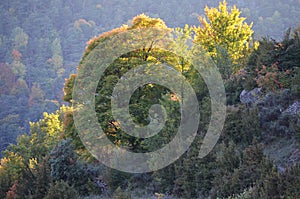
x=41, y=43
x=258, y=153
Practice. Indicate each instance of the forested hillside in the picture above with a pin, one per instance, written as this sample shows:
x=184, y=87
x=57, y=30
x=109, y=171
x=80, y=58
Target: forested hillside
x=41, y=43
x=45, y=45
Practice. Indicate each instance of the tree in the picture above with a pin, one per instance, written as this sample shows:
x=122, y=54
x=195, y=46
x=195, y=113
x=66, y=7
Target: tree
x=25, y=164
x=19, y=37
x=62, y=190
x=7, y=79
x=10, y=170
x=18, y=68
x=9, y=129
x=119, y=67
x=274, y=64
x=36, y=95
x=224, y=29
x=65, y=166
x=56, y=61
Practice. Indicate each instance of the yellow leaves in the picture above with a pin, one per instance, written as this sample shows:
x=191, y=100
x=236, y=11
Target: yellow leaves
x=143, y=21
x=152, y=59
x=255, y=45
x=11, y=165
x=139, y=21
x=33, y=163
x=53, y=125
x=203, y=22
x=30, y=149
x=46, y=132
x=223, y=7
x=225, y=28
x=3, y=162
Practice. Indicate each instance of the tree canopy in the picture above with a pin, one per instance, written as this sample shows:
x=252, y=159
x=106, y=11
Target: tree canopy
x=257, y=153
x=224, y=28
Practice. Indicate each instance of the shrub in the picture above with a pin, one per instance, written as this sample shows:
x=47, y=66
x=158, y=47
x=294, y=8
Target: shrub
x=66, y=166
x=120, y=194
x=61, y=190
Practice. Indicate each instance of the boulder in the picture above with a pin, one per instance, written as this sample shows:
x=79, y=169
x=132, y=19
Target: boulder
x=250, y=97
x=293, y=109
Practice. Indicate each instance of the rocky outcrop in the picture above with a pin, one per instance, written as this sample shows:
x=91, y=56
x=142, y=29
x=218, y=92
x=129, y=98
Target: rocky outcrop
x=293, y=109
x=294, y=158
x=250, y=97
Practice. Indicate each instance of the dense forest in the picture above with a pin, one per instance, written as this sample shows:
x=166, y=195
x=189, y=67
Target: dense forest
x=45, y=45
x=41, y=43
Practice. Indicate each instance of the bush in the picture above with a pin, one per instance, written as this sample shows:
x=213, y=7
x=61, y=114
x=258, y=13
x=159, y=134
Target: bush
x=66, y=166
x=61, y=190
x=120, y=194
x=283, y=185
x=233, y=89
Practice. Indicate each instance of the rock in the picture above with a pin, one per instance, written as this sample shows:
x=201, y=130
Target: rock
x=293, y=109
x=250, y=97
x=294, y=158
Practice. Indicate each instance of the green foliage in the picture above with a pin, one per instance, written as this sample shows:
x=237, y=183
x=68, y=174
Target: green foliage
x=52, y=162
x=120, y=194
x=249, y=167
x=245, y=195
x=25, y=167
x=229, y=159
x=65, y=166
x=70, y=131
x=34, y=181
x=276, y=122
x=19, y=37
x=274, y=65
x=68, y=88
x=193, y=176
x=116, y=179
x=61, y=190
x=10, y=171
x=242, y=125
x=295, y=83
x=17, y=66
x=275, y=185
x=143, y=98
x=51, y=47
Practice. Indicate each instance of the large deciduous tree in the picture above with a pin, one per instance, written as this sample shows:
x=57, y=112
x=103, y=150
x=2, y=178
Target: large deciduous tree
x=149, y=94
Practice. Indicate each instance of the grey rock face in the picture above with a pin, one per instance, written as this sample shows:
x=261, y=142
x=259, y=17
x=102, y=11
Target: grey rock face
x=250, y=97
x=293, y=109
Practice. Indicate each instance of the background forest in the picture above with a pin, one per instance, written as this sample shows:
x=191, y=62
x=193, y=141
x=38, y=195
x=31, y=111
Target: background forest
x=43, y=42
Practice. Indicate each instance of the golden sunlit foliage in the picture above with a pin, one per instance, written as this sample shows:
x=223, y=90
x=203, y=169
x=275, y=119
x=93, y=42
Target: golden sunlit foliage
x=224, y=28
x=143, y=21
x=52, y=161
x=139, y=21
x=30, y=152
